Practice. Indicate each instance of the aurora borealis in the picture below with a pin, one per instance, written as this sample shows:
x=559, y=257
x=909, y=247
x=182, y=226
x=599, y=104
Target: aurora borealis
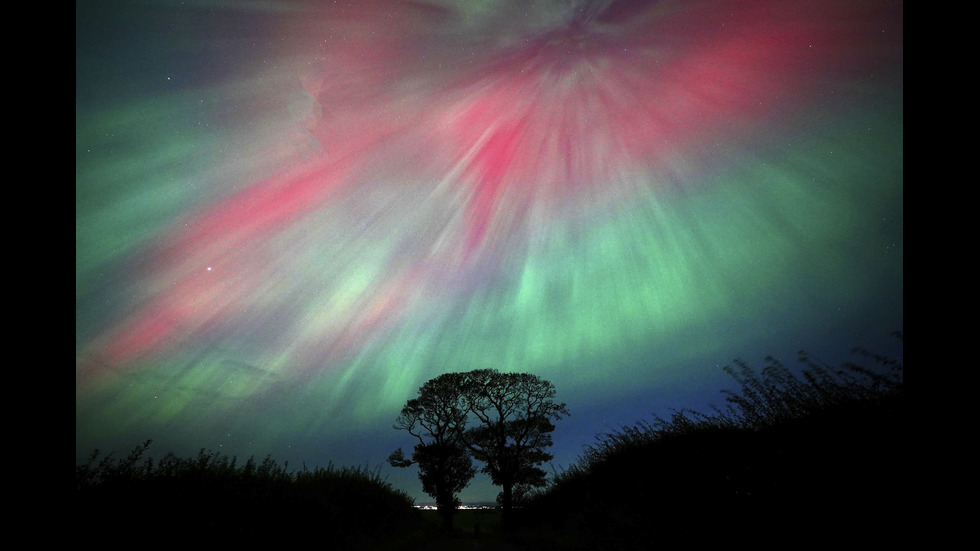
x=290, y=215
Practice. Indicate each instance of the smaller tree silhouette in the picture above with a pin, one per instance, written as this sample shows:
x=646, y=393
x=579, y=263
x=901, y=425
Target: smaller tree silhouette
x=436, y=419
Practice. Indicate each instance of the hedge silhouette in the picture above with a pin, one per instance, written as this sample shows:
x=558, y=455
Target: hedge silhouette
x=812, y=455
x=213, y=497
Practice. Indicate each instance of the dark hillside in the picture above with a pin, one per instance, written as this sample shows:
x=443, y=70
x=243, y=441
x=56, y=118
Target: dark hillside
x=832, y=471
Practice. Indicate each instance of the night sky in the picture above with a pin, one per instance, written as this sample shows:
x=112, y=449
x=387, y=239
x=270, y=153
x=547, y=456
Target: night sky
x=291, y=214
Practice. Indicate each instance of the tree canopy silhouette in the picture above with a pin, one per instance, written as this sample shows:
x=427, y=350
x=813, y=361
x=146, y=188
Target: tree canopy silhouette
x=503, y=420
x=513, y=413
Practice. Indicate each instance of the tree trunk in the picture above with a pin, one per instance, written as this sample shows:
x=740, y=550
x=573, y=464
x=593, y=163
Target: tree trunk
x=447, y=518
x=506, y=502
x=446, y=505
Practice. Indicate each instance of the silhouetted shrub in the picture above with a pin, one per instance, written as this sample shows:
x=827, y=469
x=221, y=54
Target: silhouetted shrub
x=212, y=497
x=817, y=454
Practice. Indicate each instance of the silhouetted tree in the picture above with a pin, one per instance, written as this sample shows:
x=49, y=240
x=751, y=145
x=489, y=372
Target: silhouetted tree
x=513, y=414
x=437, y=418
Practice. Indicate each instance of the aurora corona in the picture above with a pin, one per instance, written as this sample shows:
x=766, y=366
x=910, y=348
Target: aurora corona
x=534, y=186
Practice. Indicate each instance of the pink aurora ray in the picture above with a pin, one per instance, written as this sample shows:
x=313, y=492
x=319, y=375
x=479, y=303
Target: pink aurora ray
x=500, y=135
